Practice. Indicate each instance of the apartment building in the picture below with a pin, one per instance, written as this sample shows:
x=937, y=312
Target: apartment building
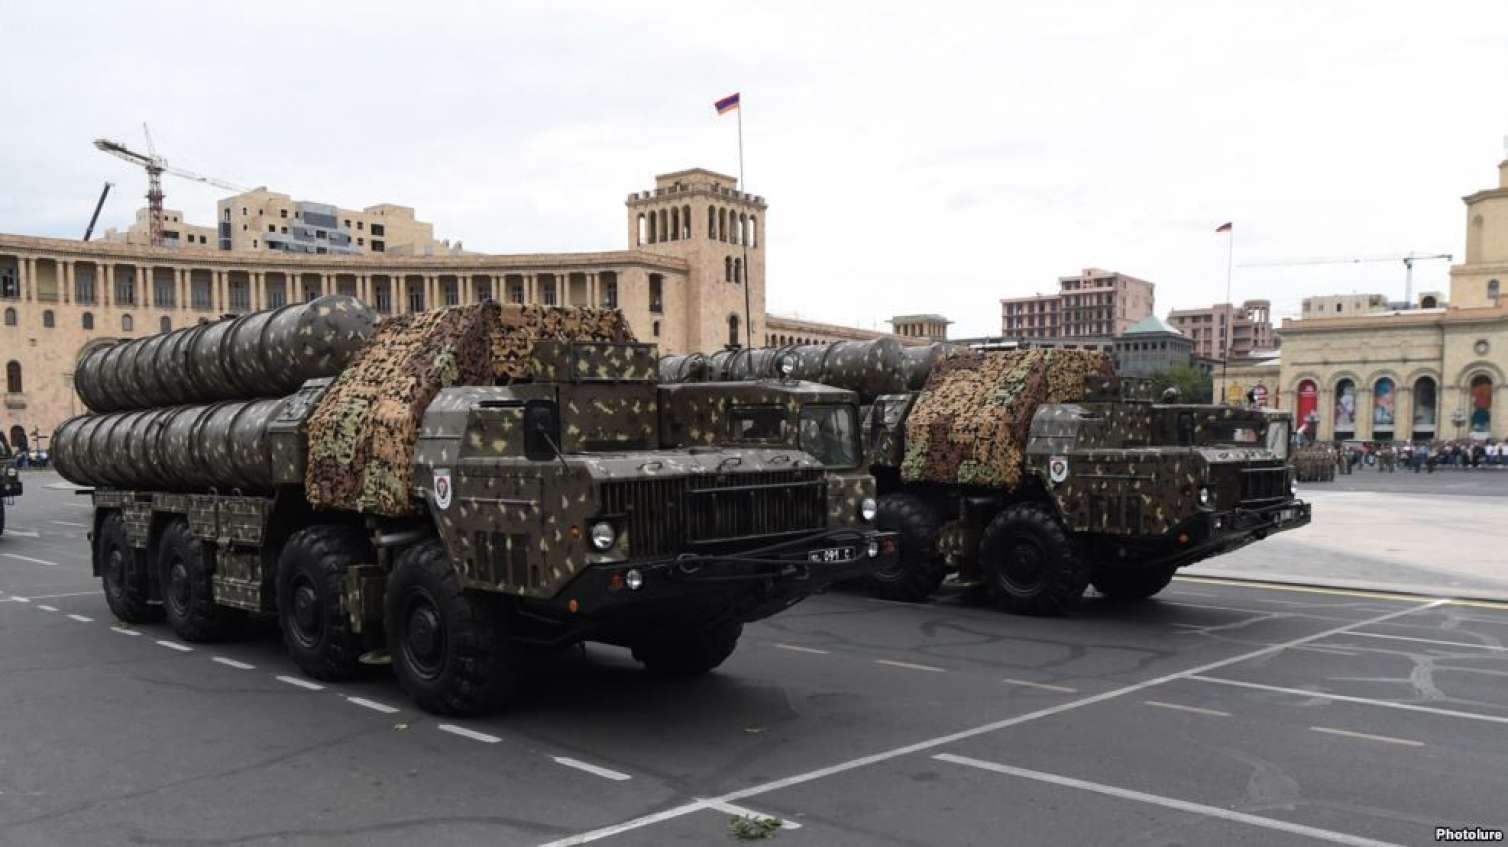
x=1094, y=303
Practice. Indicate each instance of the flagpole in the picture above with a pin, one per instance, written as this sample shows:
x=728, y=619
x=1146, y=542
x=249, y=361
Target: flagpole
x=743, y=235
x=1230, y=316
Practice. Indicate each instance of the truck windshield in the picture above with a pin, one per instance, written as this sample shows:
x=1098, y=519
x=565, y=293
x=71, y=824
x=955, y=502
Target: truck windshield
x=831, y=434
x=757, y=423
x=1277, y=438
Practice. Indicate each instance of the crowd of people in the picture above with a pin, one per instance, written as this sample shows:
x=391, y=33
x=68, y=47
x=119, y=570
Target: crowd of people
x=1422, y=456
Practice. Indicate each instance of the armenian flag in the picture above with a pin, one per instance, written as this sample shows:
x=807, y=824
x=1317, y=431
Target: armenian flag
x=727, y=104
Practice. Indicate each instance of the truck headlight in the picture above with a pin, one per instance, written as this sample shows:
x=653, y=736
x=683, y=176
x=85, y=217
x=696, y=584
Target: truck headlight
x=602, y=535
x=868, y=509
x=10, y=472
x=1204, y=495
x=1293, y=487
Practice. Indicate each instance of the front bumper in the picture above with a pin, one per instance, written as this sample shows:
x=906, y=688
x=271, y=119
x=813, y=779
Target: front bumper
x=1215, y=533
x=750, y=584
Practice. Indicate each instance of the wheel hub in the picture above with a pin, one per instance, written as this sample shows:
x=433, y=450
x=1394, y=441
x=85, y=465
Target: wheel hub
x=115, y=570
x=1023, y=564
x=178, y=586
x=424, y=636
x=424, y=639
x=306, y=616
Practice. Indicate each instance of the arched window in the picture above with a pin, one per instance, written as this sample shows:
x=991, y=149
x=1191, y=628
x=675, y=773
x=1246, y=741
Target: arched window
x=127, y=323
x=754, y=231
x=1481, y=404
x=1424, y=408
x=1383, y=408
x=13, y=377
x=49, y=320
x=686, y=221
x=641, y=228
x=1345, y=408
x=722, y=225
x=87, y=320
x=664, y=226
x=653, y=227
x=1427, y=302
x=711, y=222
x=738, y=270
x=743, y=229
x=165, y=324
x=733, y=330
x=1493, y=288
x=675, y=224
x=10, y=317
x=727, y=269
x=17, y=438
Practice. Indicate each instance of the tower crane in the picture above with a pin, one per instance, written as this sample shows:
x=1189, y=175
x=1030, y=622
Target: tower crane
x=156, y=166
x=1408, y=264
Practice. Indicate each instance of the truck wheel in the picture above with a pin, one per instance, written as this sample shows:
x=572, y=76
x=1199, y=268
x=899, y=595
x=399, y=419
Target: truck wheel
x=918, y=570
x=689, y=653
x=1030, y=566
x=311, y=584
x=449, y=645
x=1131, y=582
x=188, y=593
x=123, y=573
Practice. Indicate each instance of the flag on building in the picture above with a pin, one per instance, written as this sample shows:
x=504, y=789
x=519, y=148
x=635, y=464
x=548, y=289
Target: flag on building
x=727, y=104
x=1225, y=227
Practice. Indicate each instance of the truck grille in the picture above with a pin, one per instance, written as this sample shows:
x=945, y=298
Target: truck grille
x=1263, y=485
x=663, y=516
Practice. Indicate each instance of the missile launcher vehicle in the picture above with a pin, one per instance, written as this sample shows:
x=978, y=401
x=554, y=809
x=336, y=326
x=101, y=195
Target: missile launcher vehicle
x=1032, y=474
x=451, y=488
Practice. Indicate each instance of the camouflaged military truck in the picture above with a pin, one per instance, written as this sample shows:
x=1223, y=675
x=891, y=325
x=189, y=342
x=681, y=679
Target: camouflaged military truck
x=576, y=502
x=10, y=481
x=1033, y=474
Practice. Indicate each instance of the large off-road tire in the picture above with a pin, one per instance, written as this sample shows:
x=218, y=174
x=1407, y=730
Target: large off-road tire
x=123, y=573
x=310, y=588
x=683, y=653
x=185, y=576
x=1131, y=582
x=1030, y=565
x=919, y=569
x=449, y=646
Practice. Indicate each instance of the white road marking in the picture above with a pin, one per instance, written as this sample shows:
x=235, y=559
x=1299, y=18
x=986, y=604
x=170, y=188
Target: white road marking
x=1368, y=736
x=71, y=523
x=70, y=594
x=173, y=645
x=21, y=533
x=1042, y=685
x=909, y=666
x=232, y=663
x=29, y=559
x=1181, y=708
x=79, y=618
x=799, y=649
x=941, y=740
x=301, y=683
x=1336, y=651
x=19, y=599
x=595, y=770
x=1345, y=698
x=1431, y=641
x=740, y=811
x=468, y=733
x=1167, y=802
x=373, y=705
x=123, y=631
x=47, y=608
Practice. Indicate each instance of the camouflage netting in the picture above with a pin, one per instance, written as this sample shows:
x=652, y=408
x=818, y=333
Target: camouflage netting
x=513, y=338
x=970, y=424
x=362, y=436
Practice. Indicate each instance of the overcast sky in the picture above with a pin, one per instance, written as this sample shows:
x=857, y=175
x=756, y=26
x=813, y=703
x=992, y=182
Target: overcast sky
x=916, y=157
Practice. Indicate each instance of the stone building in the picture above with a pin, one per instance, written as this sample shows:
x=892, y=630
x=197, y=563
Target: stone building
x=1095, y=303
x=1413, y=374
x=1151, y=346
x=783, y=329
x=926, y=327
x=695, y=244
x=1245, y=328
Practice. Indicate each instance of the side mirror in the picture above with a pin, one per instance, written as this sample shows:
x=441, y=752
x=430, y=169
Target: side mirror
x=541, y=430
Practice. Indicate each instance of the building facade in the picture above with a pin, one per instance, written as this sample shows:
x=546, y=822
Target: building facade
x=1240, y=329
x=925, y=327
x=681, y=284
x=1438, y=372
x=1151, y=346
x=1094, y=303
x=1343, y=305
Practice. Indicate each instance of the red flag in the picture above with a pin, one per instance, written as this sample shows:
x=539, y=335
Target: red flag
x=1225, y=227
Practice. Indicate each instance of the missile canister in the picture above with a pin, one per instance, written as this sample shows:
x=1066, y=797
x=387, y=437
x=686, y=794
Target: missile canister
x=870, y=368
x=220, y=446
x=263, y=354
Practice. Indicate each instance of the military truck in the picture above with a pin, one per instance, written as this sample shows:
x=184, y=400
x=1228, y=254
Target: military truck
x=1033, y=474
x=541, y=512
x=10, y=481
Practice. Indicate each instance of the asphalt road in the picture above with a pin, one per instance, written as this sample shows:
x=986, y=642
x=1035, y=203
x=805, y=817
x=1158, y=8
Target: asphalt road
x=1218, y=713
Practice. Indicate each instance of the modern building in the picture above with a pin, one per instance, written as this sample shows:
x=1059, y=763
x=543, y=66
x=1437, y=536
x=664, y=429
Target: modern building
x=1151, y=346
x=1095, y=303
x=1436, y=371
x=1221, y=327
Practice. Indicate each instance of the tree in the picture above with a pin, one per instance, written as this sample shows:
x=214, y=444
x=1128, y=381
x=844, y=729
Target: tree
x=1193, y=384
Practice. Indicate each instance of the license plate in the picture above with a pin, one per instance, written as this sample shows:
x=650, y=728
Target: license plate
x=832, y=554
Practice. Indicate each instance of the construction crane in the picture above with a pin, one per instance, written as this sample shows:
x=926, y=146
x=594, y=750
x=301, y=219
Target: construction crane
x=1408, y=264
x=94, y=219
x=156, y=166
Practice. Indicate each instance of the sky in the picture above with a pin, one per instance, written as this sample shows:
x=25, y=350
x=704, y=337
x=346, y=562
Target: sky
x=917, y=157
